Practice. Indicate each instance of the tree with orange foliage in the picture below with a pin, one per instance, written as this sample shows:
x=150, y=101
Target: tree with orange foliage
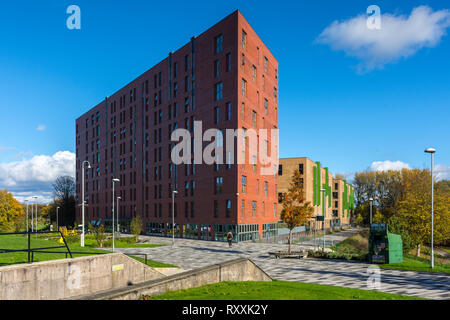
x=296, y=211
x=10, y=211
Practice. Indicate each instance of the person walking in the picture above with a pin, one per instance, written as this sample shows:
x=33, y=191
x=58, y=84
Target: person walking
x=230, y=238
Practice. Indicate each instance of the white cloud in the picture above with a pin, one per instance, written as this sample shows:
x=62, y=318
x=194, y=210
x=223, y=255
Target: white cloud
x=441, y=172
x=399, y=37
x=40, y=127
x=35, y=176
x=388, y=165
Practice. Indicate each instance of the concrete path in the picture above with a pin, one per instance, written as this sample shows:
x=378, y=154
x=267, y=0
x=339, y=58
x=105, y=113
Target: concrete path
x=190, y=254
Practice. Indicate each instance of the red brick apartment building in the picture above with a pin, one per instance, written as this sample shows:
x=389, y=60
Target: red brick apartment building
x=227, y=78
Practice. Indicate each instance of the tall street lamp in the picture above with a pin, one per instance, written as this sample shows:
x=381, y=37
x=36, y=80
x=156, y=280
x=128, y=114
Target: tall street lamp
x=173, y=216
x=27, y=214
x=57, y=220
x=35, y=213
x=371, y=202
x=83, y=200
x=432, y=151
x=118, y=198
x=323, y=222
x=114, y=180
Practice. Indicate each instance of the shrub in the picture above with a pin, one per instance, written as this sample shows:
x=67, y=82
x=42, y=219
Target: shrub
x=99, y=234
x=136, y=227
x=394, y=226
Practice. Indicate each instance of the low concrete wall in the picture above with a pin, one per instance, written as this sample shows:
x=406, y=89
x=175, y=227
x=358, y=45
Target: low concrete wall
x=235, y=270
x=58, y=279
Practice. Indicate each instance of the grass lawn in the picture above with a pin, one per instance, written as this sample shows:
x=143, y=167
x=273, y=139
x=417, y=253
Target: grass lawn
x=275, y=290
x=359, y=244
x=20, y=242
x=411, y=262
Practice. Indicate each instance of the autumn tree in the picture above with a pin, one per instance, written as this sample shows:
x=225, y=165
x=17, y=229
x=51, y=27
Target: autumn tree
x=296, y=211
x=414, y=210
x=11, y=212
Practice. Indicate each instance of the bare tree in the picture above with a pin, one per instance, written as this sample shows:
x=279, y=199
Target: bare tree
x=64, y=193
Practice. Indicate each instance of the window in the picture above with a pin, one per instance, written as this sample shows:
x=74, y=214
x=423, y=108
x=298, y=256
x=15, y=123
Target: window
x=216, y=69
x=335, y=195
x=254, y=209
x=265, y=64
x=243, y=63
x=186, y=62
x=280, y=170
x=228, y=62
x=218, y=185
x=228, y=111
x=186, y=104
x=244, y=88
x=228, y=160
x=219, y=88
x=244, y=184
x=300, y=168
x=274, y=210
x=266, y=106
x=216, y=115
x=228, y=208
x=175, y=89
x=186, y=84
x=218, y=43
x=243, y=208
x=244, y=40
x=175, y=69
x=266, y=188
x=275, y=94
x=254, y=73
x=216, y=209
x=254, y=119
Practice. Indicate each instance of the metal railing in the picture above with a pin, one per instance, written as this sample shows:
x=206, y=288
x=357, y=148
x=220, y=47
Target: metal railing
x=31, y=251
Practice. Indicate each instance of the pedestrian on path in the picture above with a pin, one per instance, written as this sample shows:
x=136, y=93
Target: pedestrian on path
x=229, y=238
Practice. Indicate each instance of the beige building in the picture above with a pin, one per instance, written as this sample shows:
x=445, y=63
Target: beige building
x=333, y=204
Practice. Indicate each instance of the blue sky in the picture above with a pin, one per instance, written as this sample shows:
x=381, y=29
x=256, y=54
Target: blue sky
x=328, y=110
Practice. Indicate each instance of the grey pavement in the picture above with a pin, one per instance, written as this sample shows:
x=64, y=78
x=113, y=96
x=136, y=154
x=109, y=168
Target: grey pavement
x=191, y=254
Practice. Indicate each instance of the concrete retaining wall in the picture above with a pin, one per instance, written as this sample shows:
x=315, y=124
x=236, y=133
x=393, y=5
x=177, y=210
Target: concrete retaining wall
x=58, y=279
x=235, y=270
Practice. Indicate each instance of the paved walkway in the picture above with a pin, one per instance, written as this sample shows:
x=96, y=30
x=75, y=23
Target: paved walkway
x=191, y=254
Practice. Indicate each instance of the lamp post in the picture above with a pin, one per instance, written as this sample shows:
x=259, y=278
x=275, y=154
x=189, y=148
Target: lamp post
x=432, y=151
x=371, y=202
x=57, y=220
x=173, y=216
x=32, y=216
x=118, y=198
x=82, y=199
x=114, y=180
x=35, y=213
x=323, y=222
x=27, y=214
